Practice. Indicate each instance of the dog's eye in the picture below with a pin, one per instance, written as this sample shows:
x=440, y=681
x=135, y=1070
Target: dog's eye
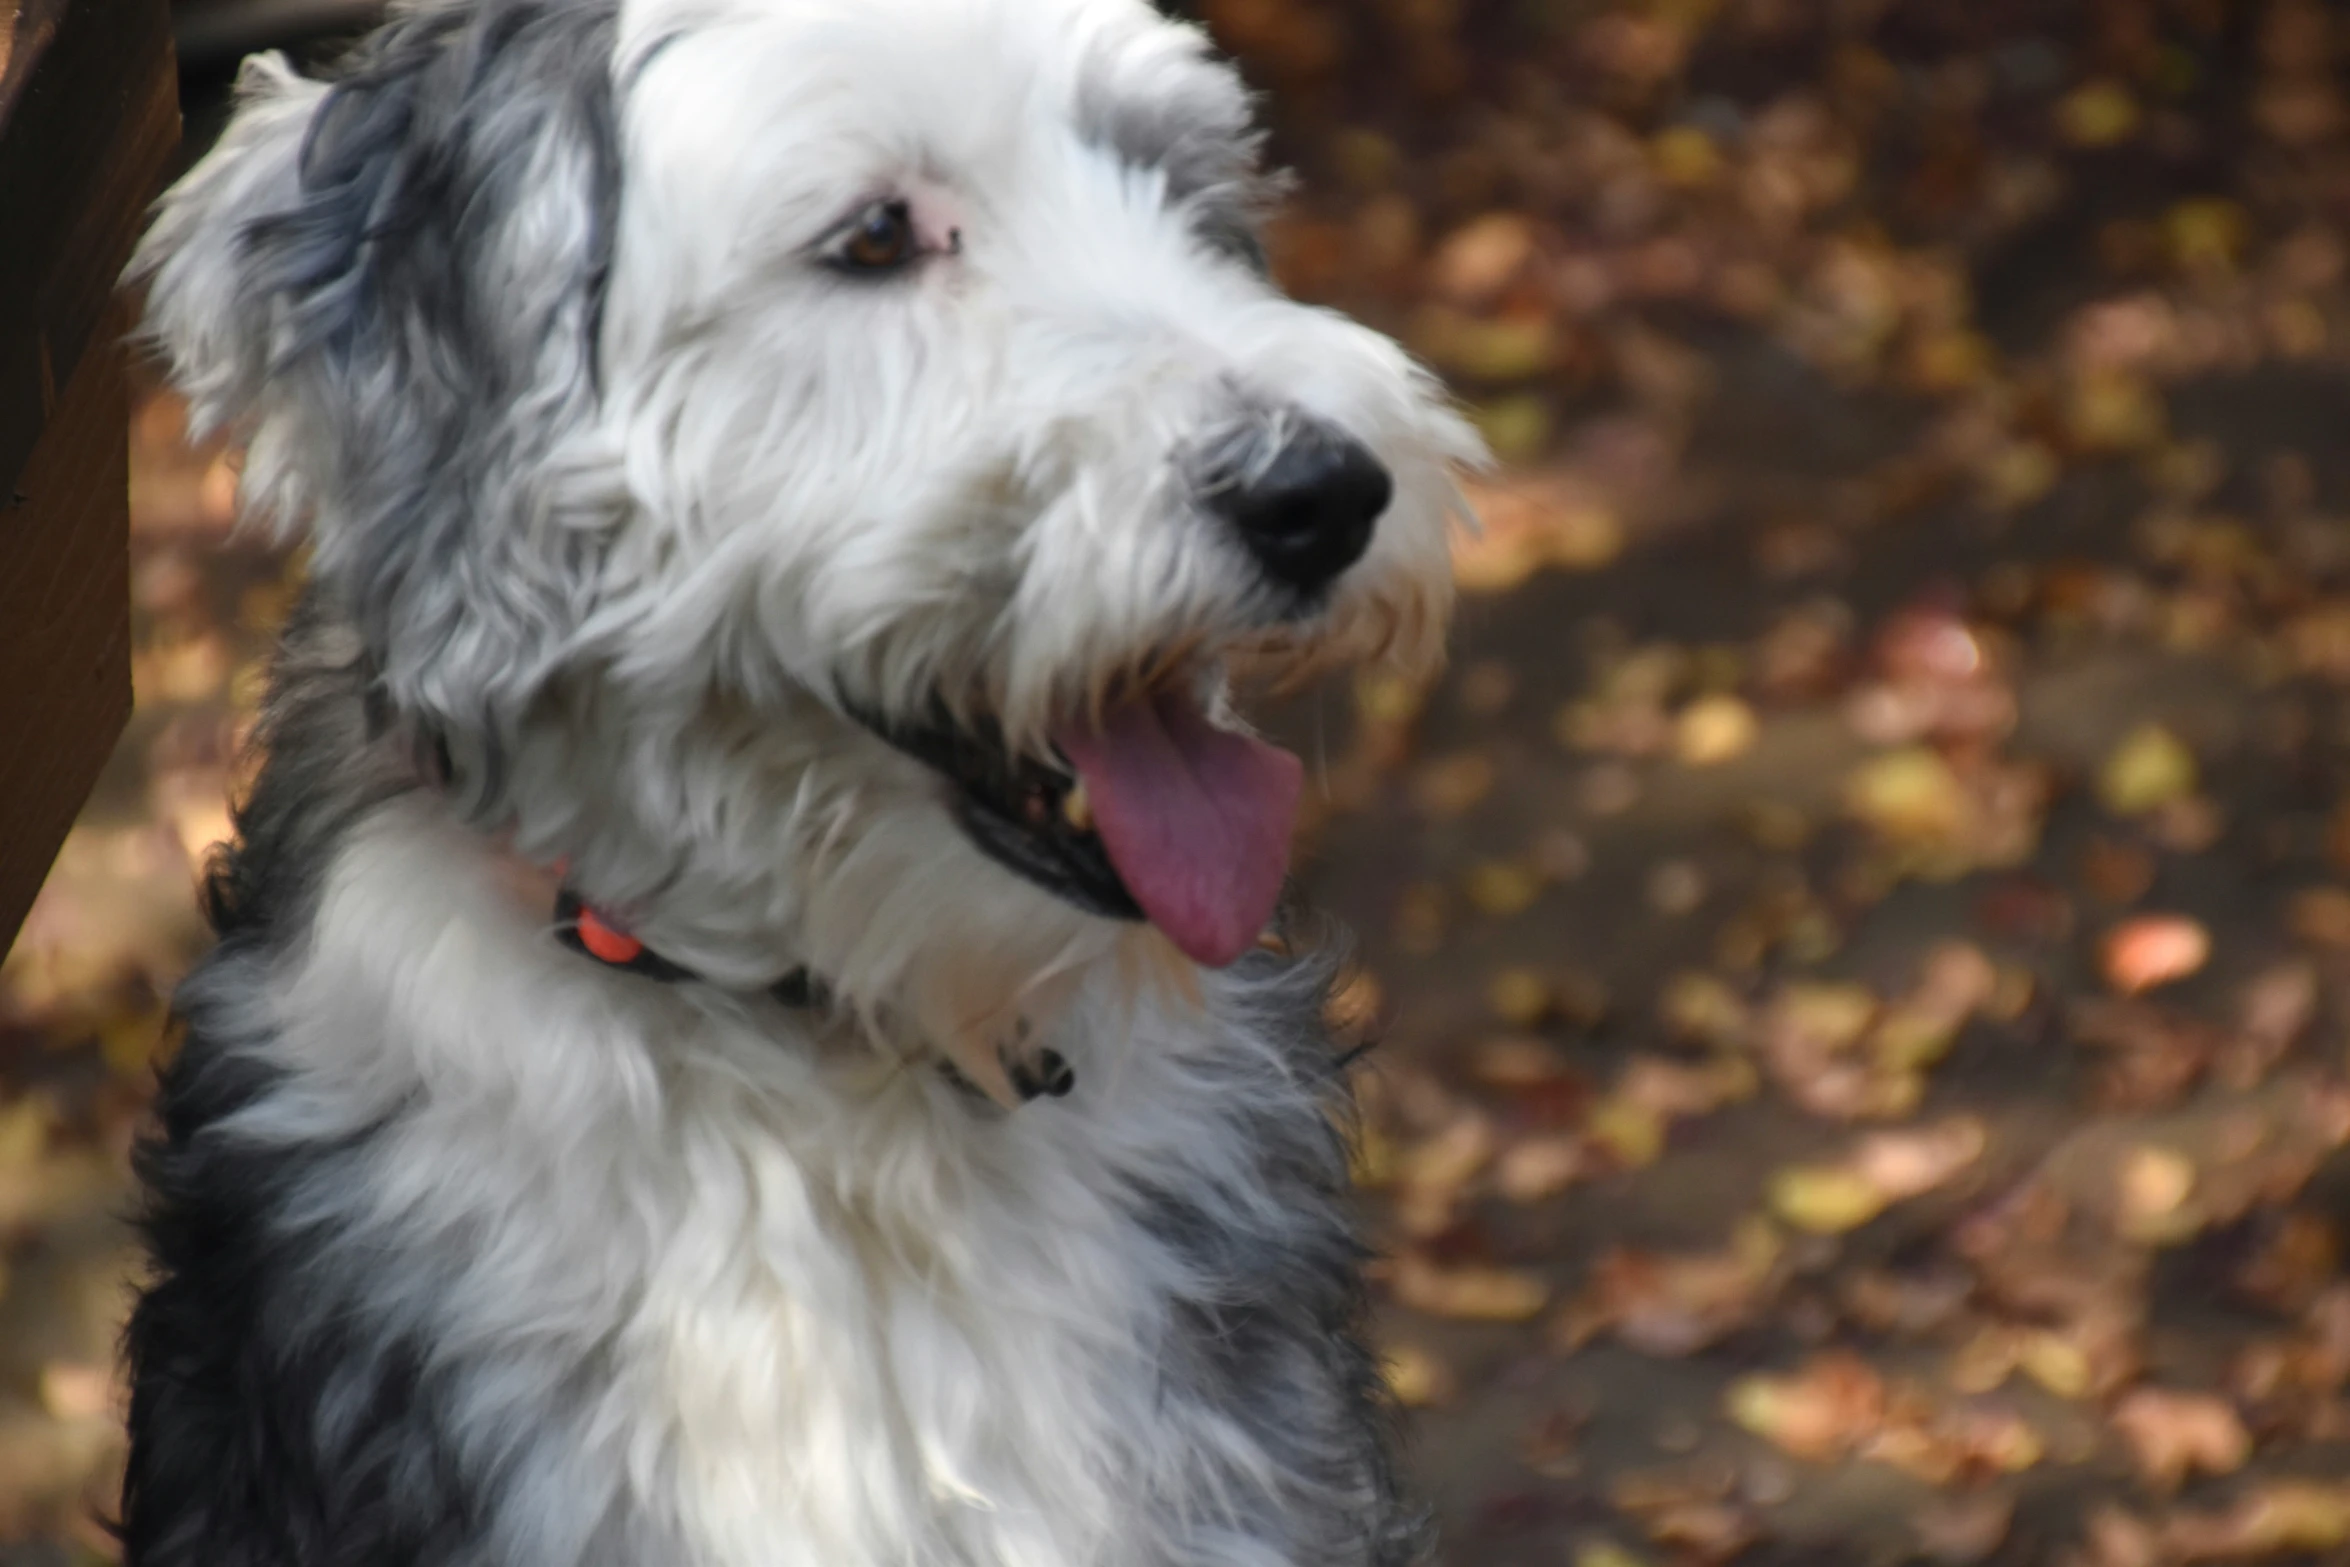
x=879, y=239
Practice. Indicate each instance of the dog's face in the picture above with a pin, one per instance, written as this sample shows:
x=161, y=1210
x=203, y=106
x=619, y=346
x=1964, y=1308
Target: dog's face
x=844, y=421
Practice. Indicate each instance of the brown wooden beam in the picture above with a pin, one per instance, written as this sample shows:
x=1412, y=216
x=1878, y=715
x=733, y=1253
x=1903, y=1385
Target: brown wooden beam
x=89, y=117
x=65, y=647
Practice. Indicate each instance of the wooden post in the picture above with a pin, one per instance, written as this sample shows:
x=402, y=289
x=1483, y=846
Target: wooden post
x=89, y=116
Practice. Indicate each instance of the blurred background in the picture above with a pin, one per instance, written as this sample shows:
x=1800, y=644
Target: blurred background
x=1859, y=939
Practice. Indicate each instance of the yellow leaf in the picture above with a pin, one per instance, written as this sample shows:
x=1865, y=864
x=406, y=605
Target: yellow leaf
x=1416, y=1377
x=1910, y=795
x=2148, y=770
x=2056, y=1363
x=1825, y=1199
x=2206, y=234
x=2155, y=1184
x=1502, y=887
x=1630, y=1133
x=1714, y=730
x=1519, y=997
x=1515, y=428
x=1685, y=156
x=2018, y=474
x=2098, y=114
x=1606, y=1553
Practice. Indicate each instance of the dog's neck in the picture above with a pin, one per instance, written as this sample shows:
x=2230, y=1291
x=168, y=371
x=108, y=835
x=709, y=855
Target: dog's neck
x=601, y=938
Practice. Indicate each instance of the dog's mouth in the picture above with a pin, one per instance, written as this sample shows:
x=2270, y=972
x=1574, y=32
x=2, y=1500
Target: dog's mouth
x=1152, y=812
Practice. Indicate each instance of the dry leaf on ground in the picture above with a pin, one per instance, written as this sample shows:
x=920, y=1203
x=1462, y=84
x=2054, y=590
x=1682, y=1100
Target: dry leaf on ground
x=2174, y=1436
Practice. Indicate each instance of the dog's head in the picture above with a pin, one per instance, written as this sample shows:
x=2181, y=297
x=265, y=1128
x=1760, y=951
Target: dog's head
x=818, y=464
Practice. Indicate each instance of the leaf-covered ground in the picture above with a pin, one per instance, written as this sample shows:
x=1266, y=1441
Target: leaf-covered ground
x=1859, y=940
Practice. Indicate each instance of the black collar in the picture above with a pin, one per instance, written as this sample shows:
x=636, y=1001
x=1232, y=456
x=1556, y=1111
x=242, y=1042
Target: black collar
x=597, y=937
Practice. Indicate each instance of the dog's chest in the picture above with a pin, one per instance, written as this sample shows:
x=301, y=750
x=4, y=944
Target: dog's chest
x=904, y=1335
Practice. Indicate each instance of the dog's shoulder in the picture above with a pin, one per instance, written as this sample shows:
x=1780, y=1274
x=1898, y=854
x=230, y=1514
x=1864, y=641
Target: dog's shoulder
x=276, y=1421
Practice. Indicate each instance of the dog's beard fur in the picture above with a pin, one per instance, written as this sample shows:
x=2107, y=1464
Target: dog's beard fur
x=622, y=503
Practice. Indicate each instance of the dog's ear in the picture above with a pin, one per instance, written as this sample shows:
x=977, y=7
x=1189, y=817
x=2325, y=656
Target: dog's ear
x=393, y=285
x=203, y=312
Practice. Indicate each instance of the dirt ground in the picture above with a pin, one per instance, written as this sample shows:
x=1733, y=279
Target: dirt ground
x=1857, y=944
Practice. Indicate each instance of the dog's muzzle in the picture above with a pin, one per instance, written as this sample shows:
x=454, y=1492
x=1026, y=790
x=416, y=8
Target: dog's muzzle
x=1149, y=808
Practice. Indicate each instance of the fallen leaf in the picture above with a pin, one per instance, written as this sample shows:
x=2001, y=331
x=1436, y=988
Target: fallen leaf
x=1676, y=887
x=2153, y=950
x=2174, y=1436
x=2320, y=916
x=1551, y=1444
x=2098, y=114
x=1541, y=1167
x=1883, y=1169
x=2278, y=1006
x=1909, y=794
x=1519, y=997
x=2117, y=873
x=1902, y=1165
x=1825, y=1199
x=1714, y=730
x=2154, y=1186
x=1502, y=887
x=1451, y=786
x=1605, y=1553
x=2151, y=768
x=1685, y=155
x=1431, y=1175
x=2056, y=1362
x=1471, y=1294
x=1821, y=1413
x=1516, y=428
x=1697, y=1006
x=1628, y=1133
x=1515, y=1062
x=2298, y=1259
x=1477, y=261
x=2119, y=1539
x=2276, y=1518
x=1944, y=1445
x=1672, y=1306
x=1904, y=1304
x=1962, y=1530
x=1674, y=1090
x=2206, y=234
x=1529, y=525
x=1417, y=1377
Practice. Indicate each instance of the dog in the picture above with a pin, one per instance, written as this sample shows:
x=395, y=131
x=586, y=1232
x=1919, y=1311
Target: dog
x=755, y=1020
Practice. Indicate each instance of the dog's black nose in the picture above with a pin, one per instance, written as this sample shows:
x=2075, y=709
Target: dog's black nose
x=1309, y=513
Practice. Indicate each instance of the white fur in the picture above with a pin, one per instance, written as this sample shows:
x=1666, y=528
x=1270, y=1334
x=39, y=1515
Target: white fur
x=797, y=1305
x=761, y=1288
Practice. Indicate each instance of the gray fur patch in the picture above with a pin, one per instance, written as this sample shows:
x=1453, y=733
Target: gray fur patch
x=435, y=291
x=1274, y=1340
x=1211, y=160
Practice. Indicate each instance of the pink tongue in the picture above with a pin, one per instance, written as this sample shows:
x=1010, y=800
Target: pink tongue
x=1196, y=818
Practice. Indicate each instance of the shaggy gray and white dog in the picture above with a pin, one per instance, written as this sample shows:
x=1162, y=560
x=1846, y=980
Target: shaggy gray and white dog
x=744, y=1032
